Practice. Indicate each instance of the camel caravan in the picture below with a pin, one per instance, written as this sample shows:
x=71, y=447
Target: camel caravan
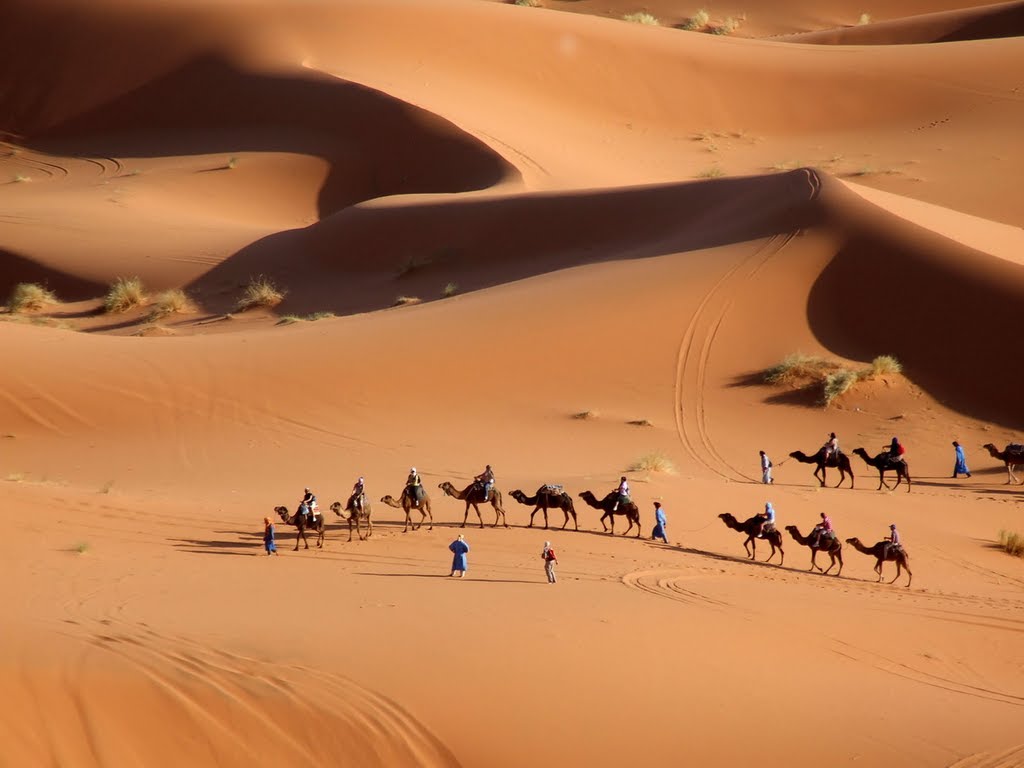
x=414, y=500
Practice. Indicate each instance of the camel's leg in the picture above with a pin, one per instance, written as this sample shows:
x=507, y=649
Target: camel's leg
x=535, y=510
x=772, y=545
x=910, y=576
x=575, y=522
x=611, y=521
x=320, y=537
x=545, y=518
x=298, y=535
x=821, y=478
x=424, y=514
x=814, y=557
x=878, y=570
x=750, y=540
x=831, y=565
x=369, y=527
x=478, y=515
x=839, y=557
x=498, y=509
x=566, y=513
x=465, y=517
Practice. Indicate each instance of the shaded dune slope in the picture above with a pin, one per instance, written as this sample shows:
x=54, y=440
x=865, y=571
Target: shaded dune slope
x=984, y=22
x=130, y=698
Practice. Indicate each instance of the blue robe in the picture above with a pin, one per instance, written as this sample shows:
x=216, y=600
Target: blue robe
x=961, y=462
x=268, y=539
x=659, y=529
x=460, y=549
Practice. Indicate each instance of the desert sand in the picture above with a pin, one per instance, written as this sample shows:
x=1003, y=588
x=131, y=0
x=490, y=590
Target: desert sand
x=585, y=216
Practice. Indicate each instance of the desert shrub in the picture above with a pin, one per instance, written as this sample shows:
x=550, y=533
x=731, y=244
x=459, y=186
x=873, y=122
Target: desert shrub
x=450, y=289
x=653, y=462
x=1012, y=543
x=585, y=415
x=260, y=292
x=713, y=172
x=885, y=365
x=865, y=18
x=124, y=293
x=528, y=3
x=838, y=383
x=641, y=17
x=726, y=27
x=171, y=302
x=698, y=21
x=640, y=423
x=798, y=367
x=29, y=296
x=401, y=301
x=311, y=318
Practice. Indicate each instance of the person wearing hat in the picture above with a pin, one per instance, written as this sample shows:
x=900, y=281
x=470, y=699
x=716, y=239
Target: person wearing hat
x=894, y=537
x=268, y=537
x=414, y=487
x=459, y=549
x=358, y=496
x=960, y=468
x=548, y=555
x=486, y=479
x=623, y=493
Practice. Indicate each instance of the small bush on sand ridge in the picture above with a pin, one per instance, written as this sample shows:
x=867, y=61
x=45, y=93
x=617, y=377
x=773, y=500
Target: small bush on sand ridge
x=312, y=318
x=585, y=415
x=640, y=423
x=865, y=18
x=260, y=292
x=653, y=462
x=401, y=301
x=714, y=172
x=124, y=293
x=838, y=383
x=727, y=27
x=798, y=367
x=171, y=302
x=640, y=17
x=29, y=296
x=697, y=22
x=885, y=365
x=528, y=3
x=1012, y=543
x=449, y=290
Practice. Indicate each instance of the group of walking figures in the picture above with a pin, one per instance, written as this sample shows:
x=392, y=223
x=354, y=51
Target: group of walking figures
x=892, y=458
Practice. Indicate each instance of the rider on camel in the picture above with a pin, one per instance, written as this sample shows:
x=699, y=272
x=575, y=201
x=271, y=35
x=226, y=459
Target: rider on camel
x=486, y=480
x=414, y=486
x=895, y=450
x=308, y=504
x=767, y=519
x=358, y=495
x=894, y=537
x=623, y=493
x=822, y=529
x=831, y=447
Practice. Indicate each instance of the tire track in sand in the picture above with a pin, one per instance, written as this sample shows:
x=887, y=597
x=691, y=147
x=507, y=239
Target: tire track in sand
x=1008, y=758
x=668, y=584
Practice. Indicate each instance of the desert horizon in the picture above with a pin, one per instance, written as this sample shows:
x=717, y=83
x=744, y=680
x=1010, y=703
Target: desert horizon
x=252, y=247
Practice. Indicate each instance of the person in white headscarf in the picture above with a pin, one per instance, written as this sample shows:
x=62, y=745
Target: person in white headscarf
x=548, y=555
x=768, y=517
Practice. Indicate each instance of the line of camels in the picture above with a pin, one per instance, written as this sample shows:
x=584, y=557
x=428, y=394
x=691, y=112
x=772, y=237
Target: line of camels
x=883, y=551
x=1012, y=456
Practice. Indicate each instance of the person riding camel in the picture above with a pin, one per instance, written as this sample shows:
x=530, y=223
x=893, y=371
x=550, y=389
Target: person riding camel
x=831, y=447
x=414, y=487
x=895, y=450
x=821, y=530
x=894, y=537
x=308, y=504
x=486, y=481
x=623, y=493
x=358, y=495
x=767, y=519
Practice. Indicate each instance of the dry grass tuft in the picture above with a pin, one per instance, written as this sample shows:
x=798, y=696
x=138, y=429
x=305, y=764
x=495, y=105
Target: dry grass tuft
x=865, y=18
x=401, y=301
x=449, y=290
x=713, y=172
x=726, y=27
x=642, y=17
x=653, y=462
x=885, y=365
x=799, y=367
x=697, y=22
x=640, y=423
x=172, y=302
x=124, y=293
x=528, y=3
x=30, y=296
x=312, y=318
x=586, y=415
x=1012, y=543
x=837, y=384
x=260, y=292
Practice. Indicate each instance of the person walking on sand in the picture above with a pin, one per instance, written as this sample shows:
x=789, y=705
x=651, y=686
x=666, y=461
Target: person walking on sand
x=459, y=549
x=660, y=523
x=268, y=537
x=960, y=468
x=548, y=555
x=766, y=469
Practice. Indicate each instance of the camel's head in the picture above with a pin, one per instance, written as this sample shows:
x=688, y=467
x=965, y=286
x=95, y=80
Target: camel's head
x=584, y=495
x=792, y=529
x=336, y=508
x=853, y=541
x=282, y=511
x=389, y=499
x=796, y=454
x=726, y=517
x=517, y=494
x=990, y=447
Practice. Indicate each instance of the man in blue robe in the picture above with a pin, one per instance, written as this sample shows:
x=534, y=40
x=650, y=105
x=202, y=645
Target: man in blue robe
x=659, y=527
x=960, y=468
x=459, y=549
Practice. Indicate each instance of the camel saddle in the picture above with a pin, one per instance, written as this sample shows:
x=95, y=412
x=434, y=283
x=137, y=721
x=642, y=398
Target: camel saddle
x=1017, y=449
x=552, y=490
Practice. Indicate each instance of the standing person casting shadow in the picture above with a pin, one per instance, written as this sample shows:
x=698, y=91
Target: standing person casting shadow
x=459, y=549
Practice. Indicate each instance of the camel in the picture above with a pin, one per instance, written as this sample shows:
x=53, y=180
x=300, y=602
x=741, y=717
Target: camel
x=752, y=527
x=833, y=546
x=607, y=505
x=355, y=517
x=883, y=551
x=405, y=503
x=474, y=495
x=884, y=464
x=546, y=499
x=300, y=522
x=1012, y=458
x=840, y=461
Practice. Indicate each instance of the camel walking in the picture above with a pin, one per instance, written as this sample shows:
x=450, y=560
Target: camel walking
x=840, y=461
x=1012, y=456
x=352, y=516
x=882, y=552
x=405, y=503
x=832, y=546
x=545, y=499
x=753, y=528
x=607, y=505
x=883, y=462
x=474, y=495
x=300, y=522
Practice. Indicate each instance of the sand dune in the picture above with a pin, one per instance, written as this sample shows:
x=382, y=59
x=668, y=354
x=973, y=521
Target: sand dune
x=602, y=233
